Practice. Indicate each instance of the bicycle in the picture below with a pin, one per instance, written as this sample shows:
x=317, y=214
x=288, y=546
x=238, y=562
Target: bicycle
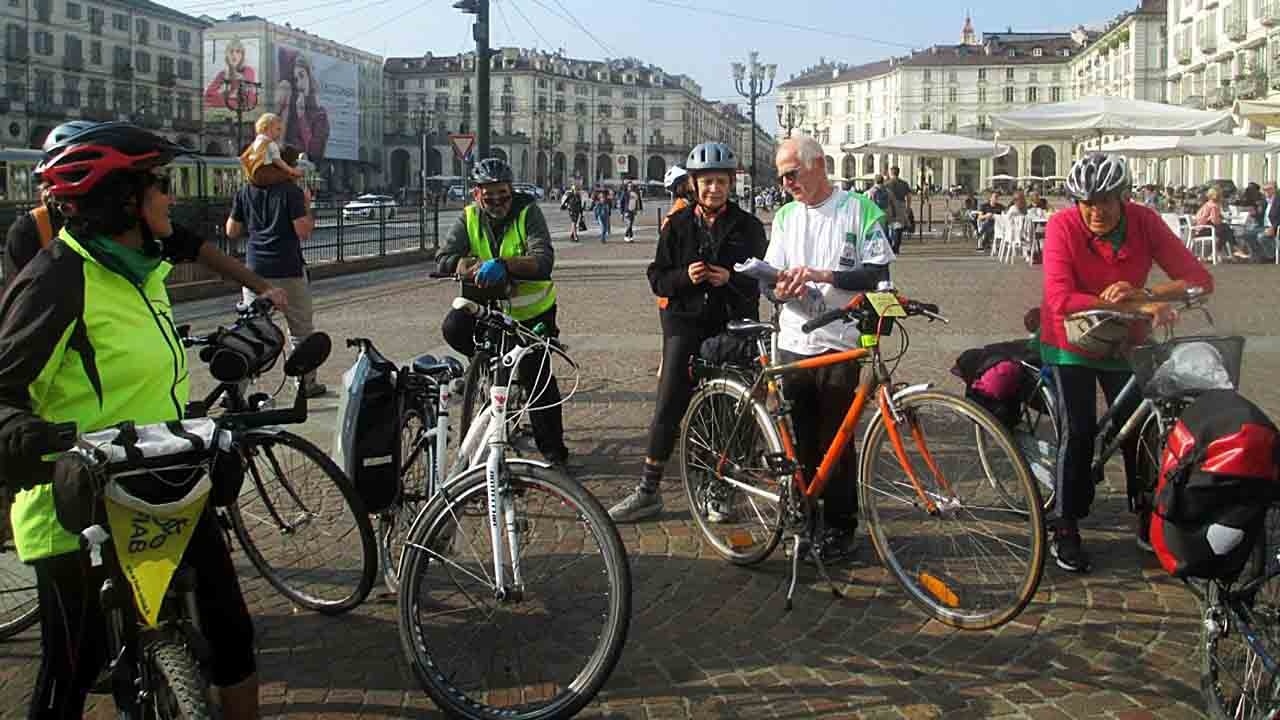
x=142, y=511
x=1037, y=432
x=19, y=605
x=425, y=390
x=298, y=525
x=738, y=454
x=509, y=559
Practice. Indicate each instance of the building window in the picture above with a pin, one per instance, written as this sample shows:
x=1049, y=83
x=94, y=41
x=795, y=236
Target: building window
x=120, y=95
x=604, y=92
x=144, y=29
x=1037, y=52
x=97, y=18
x=120, y=21
x=582, y=132
x=165, y=33
x=442, y=103
x=1034, y=76
x=72, y=48
x=142, y=100
x=71, y=91
x=867, y=104
x=73, y=11
x=142, y=60
x=184, y=39
x=542, y=83
x=657, y=113
x=928, y=95
x=120, y=57
x=442, y=82
x=1055, y=94
x=560, y=105
x=580, y=90
x=164, y=105
x=184, y=69
x=184, y=106
x=43, y=42
x=982, y=74
x=826, y=109
x=1008, y=94
x=848, y=133
x=952, y=94
x=97, y=94
x=1032, y=94
x=95, y=52
x=928, y=76
x=866, y=132
x=542, y=103
x=982, y=95
x=629, y=112
x=1008, y=74
x=926, y=122
x=44, y=10
x=164, y=64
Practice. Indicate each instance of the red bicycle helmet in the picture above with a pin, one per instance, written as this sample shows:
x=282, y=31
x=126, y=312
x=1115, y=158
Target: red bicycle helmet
x=74, y=167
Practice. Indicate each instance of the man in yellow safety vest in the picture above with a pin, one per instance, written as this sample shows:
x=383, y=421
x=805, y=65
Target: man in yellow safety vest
x=502, y=239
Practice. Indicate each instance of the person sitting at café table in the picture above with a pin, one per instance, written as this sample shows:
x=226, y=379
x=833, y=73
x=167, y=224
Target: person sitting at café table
x=987, y=221
x=1210, y=214
x=1018, y=206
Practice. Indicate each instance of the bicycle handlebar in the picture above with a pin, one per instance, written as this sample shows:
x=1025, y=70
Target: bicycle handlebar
x=1192, y=299
x=504, y=322
x=260, y=307
x=912, y=308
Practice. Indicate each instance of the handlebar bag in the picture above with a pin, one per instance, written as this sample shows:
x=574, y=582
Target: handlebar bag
x=248, y=348
x=161, y=467
x=367, y=436
x=1218, y=475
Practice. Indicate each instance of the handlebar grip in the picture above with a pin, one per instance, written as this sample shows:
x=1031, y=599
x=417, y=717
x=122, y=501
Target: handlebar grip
x=823, y=320
x=469, y=307
x=441, y=276
x=62, y=437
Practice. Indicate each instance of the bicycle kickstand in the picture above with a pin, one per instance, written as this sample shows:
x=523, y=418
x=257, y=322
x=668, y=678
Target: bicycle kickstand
x=795, y=569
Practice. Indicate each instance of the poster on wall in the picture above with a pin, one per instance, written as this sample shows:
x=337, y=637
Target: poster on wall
x=318, y=98
x=231, y=71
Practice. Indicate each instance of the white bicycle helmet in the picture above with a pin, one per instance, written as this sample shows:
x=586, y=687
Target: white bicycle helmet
x=1098, y=175
x=711, y=156
x=675, y=174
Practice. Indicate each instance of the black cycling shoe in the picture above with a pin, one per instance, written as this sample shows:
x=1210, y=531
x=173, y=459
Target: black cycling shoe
x=1067, y=550
x=836, y=546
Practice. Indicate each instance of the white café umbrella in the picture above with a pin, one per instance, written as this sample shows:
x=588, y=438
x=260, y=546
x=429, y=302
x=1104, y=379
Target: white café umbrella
x=1103, y=115
x=1002, y=178
x=928, y=143
x=1154, y=146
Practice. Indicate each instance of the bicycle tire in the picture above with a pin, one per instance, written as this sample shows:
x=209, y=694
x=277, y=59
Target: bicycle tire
x=19, y=604
x=935, y=582
x=1223, y=647
x=179, y=691
x=1036, y=438
x=417, y=456
x=705, y=449
x=352, y=574
x=434, y=540
x=475, y=390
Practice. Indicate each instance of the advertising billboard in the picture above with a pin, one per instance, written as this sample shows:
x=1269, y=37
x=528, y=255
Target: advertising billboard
x=232, y=69
x=318, y=97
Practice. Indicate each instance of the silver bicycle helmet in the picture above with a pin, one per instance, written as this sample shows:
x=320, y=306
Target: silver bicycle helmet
x=711, y=156
x=1098, y=175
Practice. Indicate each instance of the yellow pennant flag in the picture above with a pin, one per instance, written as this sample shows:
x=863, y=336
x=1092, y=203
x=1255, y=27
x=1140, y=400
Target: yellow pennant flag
x=149, y=548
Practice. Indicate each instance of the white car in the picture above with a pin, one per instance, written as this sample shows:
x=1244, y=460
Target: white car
x=529, y=189
x=370, y=206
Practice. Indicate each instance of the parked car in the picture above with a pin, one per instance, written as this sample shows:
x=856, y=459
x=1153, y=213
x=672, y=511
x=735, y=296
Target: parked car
x=529, y=189
x=370, y=207
x=456, y=192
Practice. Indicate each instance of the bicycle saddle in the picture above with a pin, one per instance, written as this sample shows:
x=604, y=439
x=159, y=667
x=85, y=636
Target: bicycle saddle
x=430, y=366
x=749, y=328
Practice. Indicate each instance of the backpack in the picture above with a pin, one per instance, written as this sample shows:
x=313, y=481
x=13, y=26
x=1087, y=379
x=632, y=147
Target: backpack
x=1218, y=475
x=367, y=442
x=994, y=377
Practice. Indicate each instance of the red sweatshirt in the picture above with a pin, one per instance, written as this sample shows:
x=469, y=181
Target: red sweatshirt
x=1079, y=265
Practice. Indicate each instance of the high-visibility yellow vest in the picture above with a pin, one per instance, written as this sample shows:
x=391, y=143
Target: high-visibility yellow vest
x=529, y=298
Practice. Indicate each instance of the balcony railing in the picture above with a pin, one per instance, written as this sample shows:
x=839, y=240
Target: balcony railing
x=166, y=78
x=1270, y=13
x=1220, y=97
x=1237, y=26
x=1183, y=55
x=74, y=63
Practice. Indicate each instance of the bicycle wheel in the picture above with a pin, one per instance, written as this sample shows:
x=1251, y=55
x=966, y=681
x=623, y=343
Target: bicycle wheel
x=975, y=560
x=545, y=650
x=302, y=525
x=1234, y=681
x=1036, y=438
x=19, y=604
x=178, y=689
x=475, y=390
x=417, y=454
x=734, y=497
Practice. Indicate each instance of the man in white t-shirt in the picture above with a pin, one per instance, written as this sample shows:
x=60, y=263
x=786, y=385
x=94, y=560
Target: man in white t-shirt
x=837, y=242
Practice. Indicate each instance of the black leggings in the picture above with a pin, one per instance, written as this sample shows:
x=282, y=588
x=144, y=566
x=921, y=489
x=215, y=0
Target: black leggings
x=1076, y=389
x=675, y=387
x=73, y=639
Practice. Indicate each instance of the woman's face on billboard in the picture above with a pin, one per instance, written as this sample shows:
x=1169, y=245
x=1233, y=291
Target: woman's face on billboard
x=301, y=79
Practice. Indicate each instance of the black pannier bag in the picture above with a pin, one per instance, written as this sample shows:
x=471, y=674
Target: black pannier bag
x=994, y=377
x=367, y=442
x=1217, y=478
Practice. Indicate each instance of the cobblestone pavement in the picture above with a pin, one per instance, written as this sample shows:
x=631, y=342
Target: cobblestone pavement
x=710, y=640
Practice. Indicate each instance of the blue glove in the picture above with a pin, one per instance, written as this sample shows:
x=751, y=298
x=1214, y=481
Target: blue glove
x=492, y=272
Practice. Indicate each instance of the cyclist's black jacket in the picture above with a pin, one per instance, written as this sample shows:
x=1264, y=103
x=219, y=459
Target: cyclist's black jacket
x=734, y=237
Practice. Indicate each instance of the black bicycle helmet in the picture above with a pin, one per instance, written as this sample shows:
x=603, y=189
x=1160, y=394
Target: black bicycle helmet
x=65, y=131
x=1098, y=175
x=77, y=164
x=711, y=156
x=492, y=170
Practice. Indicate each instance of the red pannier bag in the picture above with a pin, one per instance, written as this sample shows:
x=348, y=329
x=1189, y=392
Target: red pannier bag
x=1217, y=477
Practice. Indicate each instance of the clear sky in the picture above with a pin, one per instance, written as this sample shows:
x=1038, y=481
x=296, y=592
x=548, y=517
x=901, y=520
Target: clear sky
x=699, y=38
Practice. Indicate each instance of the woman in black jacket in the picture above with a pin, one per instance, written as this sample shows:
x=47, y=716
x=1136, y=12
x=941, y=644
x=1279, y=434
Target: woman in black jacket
x=693, y=272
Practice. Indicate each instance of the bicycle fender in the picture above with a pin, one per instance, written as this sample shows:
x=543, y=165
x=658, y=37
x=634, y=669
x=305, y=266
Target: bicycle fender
x=911, y=390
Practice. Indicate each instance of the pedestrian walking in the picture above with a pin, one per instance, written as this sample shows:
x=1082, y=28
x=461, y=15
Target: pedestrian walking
x=572, y=202
x=632, y=205
x=902, y=193
x=602, y=206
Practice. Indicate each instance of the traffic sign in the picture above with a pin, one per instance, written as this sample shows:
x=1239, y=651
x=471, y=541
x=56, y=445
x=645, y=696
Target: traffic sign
x=462, y=144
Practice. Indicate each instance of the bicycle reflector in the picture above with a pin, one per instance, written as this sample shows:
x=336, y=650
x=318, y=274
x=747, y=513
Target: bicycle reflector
x=939, y=588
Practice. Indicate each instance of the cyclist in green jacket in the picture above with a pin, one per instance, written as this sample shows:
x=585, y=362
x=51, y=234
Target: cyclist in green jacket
x=87, y=337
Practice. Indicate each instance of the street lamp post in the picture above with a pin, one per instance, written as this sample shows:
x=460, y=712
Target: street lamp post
x=422, y=119
x=790, y=117
x=245, y=94
x=752, y=82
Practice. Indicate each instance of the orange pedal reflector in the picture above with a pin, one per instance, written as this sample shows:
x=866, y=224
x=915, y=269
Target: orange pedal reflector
x=939, y=589
x=739, y=540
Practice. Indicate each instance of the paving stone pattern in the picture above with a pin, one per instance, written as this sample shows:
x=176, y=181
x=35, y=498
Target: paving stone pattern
x=710, y=640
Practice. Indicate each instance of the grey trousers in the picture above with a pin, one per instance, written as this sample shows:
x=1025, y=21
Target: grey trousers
x=299, y=315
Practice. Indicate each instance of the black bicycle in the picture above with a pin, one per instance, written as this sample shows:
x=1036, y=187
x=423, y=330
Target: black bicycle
x=301, y=523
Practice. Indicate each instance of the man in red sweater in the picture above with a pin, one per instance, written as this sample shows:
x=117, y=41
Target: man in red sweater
x=1098, y=255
